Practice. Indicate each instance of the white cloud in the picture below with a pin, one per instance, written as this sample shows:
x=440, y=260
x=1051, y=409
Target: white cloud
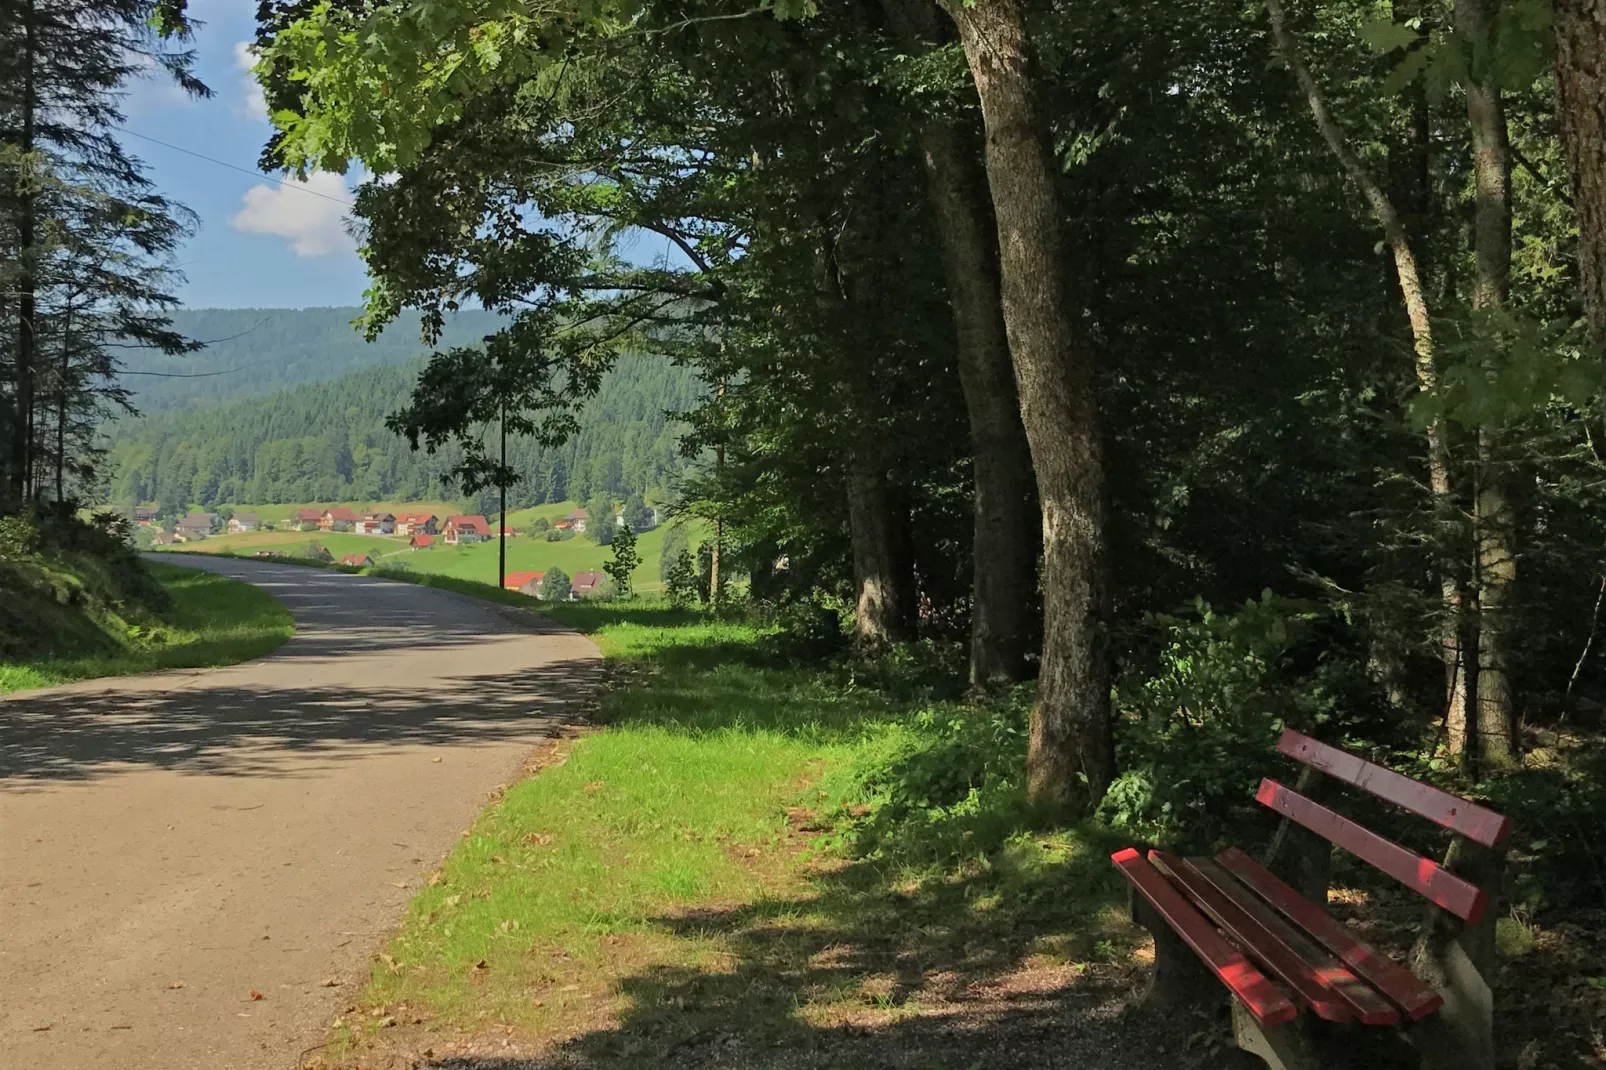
x=315, y=225
x=252, y=105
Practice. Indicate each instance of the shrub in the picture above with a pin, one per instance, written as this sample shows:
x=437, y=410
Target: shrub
x=1195, y=731
x=680, y=578
x=945, y=784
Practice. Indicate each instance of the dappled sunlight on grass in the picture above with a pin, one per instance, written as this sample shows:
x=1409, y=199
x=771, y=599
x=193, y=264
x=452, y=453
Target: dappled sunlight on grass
x=680, y=877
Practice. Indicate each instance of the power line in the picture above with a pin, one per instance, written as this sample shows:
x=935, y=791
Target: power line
x=234, y=167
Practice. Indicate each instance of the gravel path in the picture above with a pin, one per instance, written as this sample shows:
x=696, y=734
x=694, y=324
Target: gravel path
x=174, y=846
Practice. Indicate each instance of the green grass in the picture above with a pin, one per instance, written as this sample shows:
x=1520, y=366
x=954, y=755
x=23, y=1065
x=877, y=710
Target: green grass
x=684, y=868
x=213, y=621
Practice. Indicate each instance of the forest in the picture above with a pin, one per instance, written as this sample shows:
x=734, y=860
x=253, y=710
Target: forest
x=252, y=351
x=327, y=441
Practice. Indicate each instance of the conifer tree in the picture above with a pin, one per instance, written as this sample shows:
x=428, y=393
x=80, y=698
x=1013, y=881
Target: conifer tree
x=85, y=238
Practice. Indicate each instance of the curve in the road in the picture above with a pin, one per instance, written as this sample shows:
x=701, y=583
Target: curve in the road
x=171, y=843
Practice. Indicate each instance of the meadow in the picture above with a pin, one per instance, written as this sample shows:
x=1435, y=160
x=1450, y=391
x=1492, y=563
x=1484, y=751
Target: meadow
x=527, y=551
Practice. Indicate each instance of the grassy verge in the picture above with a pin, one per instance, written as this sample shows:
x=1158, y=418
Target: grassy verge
x=212, y=621
x=680, y=885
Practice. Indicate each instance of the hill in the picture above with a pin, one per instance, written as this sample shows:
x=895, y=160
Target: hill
x=327, y=442
x=256, y=351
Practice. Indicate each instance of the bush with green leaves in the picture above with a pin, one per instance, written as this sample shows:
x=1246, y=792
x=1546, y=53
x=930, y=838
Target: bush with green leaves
x=680, y=577
x=1196, y=728
x=944, y=784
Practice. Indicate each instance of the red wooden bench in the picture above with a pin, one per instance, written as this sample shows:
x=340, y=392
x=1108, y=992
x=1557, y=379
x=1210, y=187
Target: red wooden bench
x=1279, y=953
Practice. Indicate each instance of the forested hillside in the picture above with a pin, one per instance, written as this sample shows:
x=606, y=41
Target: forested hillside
x=253, y=351
x=328, y=441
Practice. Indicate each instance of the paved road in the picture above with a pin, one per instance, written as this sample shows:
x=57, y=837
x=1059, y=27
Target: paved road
x=170, y=843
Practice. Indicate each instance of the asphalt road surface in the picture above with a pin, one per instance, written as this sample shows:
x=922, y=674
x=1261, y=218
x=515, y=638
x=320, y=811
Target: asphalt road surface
x=170, y=844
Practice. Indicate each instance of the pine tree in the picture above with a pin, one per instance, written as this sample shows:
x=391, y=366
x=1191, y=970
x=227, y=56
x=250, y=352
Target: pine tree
x=85, y=238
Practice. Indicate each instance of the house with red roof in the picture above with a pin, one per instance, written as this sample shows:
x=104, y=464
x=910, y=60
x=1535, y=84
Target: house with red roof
x=465, y=530
x=337, y=519
x=585, y=583
x=578, y=519
x=307, y=519
x=357, y=560
x=421, y=542
x=524, y=582
x=418, y=524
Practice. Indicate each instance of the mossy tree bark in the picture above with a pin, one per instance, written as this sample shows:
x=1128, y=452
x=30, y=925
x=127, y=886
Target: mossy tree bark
x=1070, y=758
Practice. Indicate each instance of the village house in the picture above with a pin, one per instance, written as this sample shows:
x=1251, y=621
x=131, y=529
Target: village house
x=164, y=538
x=376, y=524
x=418, y=524
x=577, y=519
x=524, y=582
x=144, y=517
x=464, y=530
x=241, y=522
x=357, y=560
x=307, y=519
x=421, y=542
x=195, y=526
x=584, y=583
x=337, y=519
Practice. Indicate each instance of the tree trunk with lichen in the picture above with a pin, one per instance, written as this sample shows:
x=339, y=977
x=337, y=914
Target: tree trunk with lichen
x=1070, y=758
x=1494, y=524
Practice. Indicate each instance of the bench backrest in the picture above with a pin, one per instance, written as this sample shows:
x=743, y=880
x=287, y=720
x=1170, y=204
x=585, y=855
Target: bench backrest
x=1422, y=875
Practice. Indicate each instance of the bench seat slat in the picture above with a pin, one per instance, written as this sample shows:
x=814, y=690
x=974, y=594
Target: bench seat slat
x=1263, y=999
x=1468, y=819
x=1404, y=988
x=1263, y=945
x=1423, y=875
x=1362, y=1000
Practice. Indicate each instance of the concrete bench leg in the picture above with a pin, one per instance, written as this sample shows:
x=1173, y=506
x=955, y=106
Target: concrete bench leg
x=1281, y=1047
x=1459, y=961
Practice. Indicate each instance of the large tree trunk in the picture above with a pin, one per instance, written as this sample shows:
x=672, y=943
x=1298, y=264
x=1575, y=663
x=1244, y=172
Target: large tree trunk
x=1493, y=520
x=1458, y=714
x=1070, y=761
x=1581, y=104
x=883, y=573
x=1004, y=548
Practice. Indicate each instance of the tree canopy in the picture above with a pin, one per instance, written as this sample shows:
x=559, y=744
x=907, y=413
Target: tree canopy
x=1020, y=323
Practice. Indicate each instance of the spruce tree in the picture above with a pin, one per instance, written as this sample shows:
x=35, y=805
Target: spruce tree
x=84, y=238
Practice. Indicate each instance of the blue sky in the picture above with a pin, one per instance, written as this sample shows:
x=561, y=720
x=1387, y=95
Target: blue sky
x=259, y=244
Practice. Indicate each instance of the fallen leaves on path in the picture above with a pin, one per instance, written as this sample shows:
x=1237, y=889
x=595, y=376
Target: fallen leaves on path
x=254, y=995
x=176, y=984
x=331, y=982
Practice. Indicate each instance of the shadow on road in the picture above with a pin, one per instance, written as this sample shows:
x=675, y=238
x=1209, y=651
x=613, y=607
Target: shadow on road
x=245, y=731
